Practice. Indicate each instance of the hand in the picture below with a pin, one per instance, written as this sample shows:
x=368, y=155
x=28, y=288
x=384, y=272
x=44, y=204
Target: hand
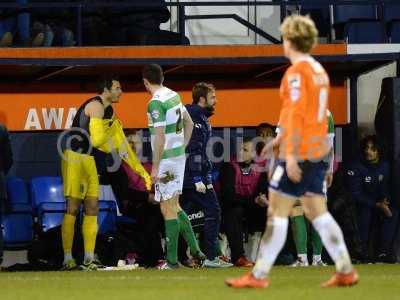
x=200, y=187
x=293, y=171
x=262, y=200
x=386, y=210
x=154, y=173
x=329, y=179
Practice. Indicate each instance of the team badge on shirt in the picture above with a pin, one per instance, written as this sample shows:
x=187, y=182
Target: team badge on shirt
x=294, y=86
x=294, y=81
x=155, y=114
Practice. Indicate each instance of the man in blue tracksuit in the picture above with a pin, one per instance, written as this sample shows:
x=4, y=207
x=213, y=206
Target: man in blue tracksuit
x=198, y=188
x=368, y=182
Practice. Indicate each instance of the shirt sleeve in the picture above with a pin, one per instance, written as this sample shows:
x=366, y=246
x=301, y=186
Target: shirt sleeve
x=296, y=111
x=157, y=113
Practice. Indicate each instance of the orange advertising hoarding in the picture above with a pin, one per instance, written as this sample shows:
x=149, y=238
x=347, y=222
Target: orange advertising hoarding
x=237, y=107
x=42, y=105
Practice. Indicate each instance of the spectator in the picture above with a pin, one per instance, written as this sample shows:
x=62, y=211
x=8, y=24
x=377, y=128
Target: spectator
x=6, y=161
x=54, y=24
x=342, y=208
x=15, y=25
x=243, y=197
x=265, y=131
x=367, y=180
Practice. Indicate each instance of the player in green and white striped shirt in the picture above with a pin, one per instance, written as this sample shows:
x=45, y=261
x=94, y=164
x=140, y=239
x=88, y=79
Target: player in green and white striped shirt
x=331, y=137
x=171, y=128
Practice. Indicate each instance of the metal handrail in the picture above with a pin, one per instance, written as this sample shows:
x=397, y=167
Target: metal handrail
x=182, y=17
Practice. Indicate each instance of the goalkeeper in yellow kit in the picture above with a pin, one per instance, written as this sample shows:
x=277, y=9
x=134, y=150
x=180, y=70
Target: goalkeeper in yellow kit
x=95, y=133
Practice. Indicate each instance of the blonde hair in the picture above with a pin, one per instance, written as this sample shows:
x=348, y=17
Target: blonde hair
x=300, y=31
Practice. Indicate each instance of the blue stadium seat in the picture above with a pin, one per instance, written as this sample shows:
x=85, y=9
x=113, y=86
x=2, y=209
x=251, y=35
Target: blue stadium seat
x=48, y=200
x=17, y=226
x=364, y=32
x=107, y=218
x=395, y=32
x=46, y=189
x=345, y=13
x=17, y=190
x=51, y=215
x=106, y=193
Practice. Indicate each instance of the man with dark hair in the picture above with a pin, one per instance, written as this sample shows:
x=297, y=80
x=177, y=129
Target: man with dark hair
x=198, y=186
x=171, y=128
x=265, y=131
x=153, y=73
x=6, y=161
x=368, y=182
x=95, y=133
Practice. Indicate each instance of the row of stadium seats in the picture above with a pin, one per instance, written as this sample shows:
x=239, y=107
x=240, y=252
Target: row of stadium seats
x=357, y=23
x=41, y=207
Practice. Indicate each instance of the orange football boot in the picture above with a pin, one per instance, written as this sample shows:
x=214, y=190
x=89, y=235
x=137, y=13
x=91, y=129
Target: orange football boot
x=341, y=280
x=247, y=281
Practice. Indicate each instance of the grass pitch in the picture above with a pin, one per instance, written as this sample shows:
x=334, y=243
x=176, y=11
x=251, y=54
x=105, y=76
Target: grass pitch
x=377, y=282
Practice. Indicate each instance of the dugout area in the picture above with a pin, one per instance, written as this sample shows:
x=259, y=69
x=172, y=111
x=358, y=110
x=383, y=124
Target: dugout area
x=40, y=88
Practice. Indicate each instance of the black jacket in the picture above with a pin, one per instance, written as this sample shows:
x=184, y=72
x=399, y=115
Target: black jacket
x=198, y=165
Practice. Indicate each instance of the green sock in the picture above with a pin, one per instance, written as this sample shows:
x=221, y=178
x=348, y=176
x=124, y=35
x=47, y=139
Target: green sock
x=187, y=232
x=316, y=242
x=299, y=230
x=172, y=234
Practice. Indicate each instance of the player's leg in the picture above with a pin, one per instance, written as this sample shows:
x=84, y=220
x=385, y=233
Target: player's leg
x=89, y=231
x=275, y=234
x=299, y=230
x=169, y=212
x=272, y=242
x=188, y=234
x=332, y=238
x=68, y=230
x=317, y=248
x=71, y=167
x=91, y=210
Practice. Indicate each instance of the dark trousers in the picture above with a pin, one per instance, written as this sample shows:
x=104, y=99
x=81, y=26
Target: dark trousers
x=209, y=204
x=370, y=218
x=236, y=215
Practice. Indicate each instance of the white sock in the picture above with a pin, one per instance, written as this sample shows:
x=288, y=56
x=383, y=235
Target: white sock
x=303, y=257
x=317, y=257
x=271, y=244
x=67, y=257
x=332, y=238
